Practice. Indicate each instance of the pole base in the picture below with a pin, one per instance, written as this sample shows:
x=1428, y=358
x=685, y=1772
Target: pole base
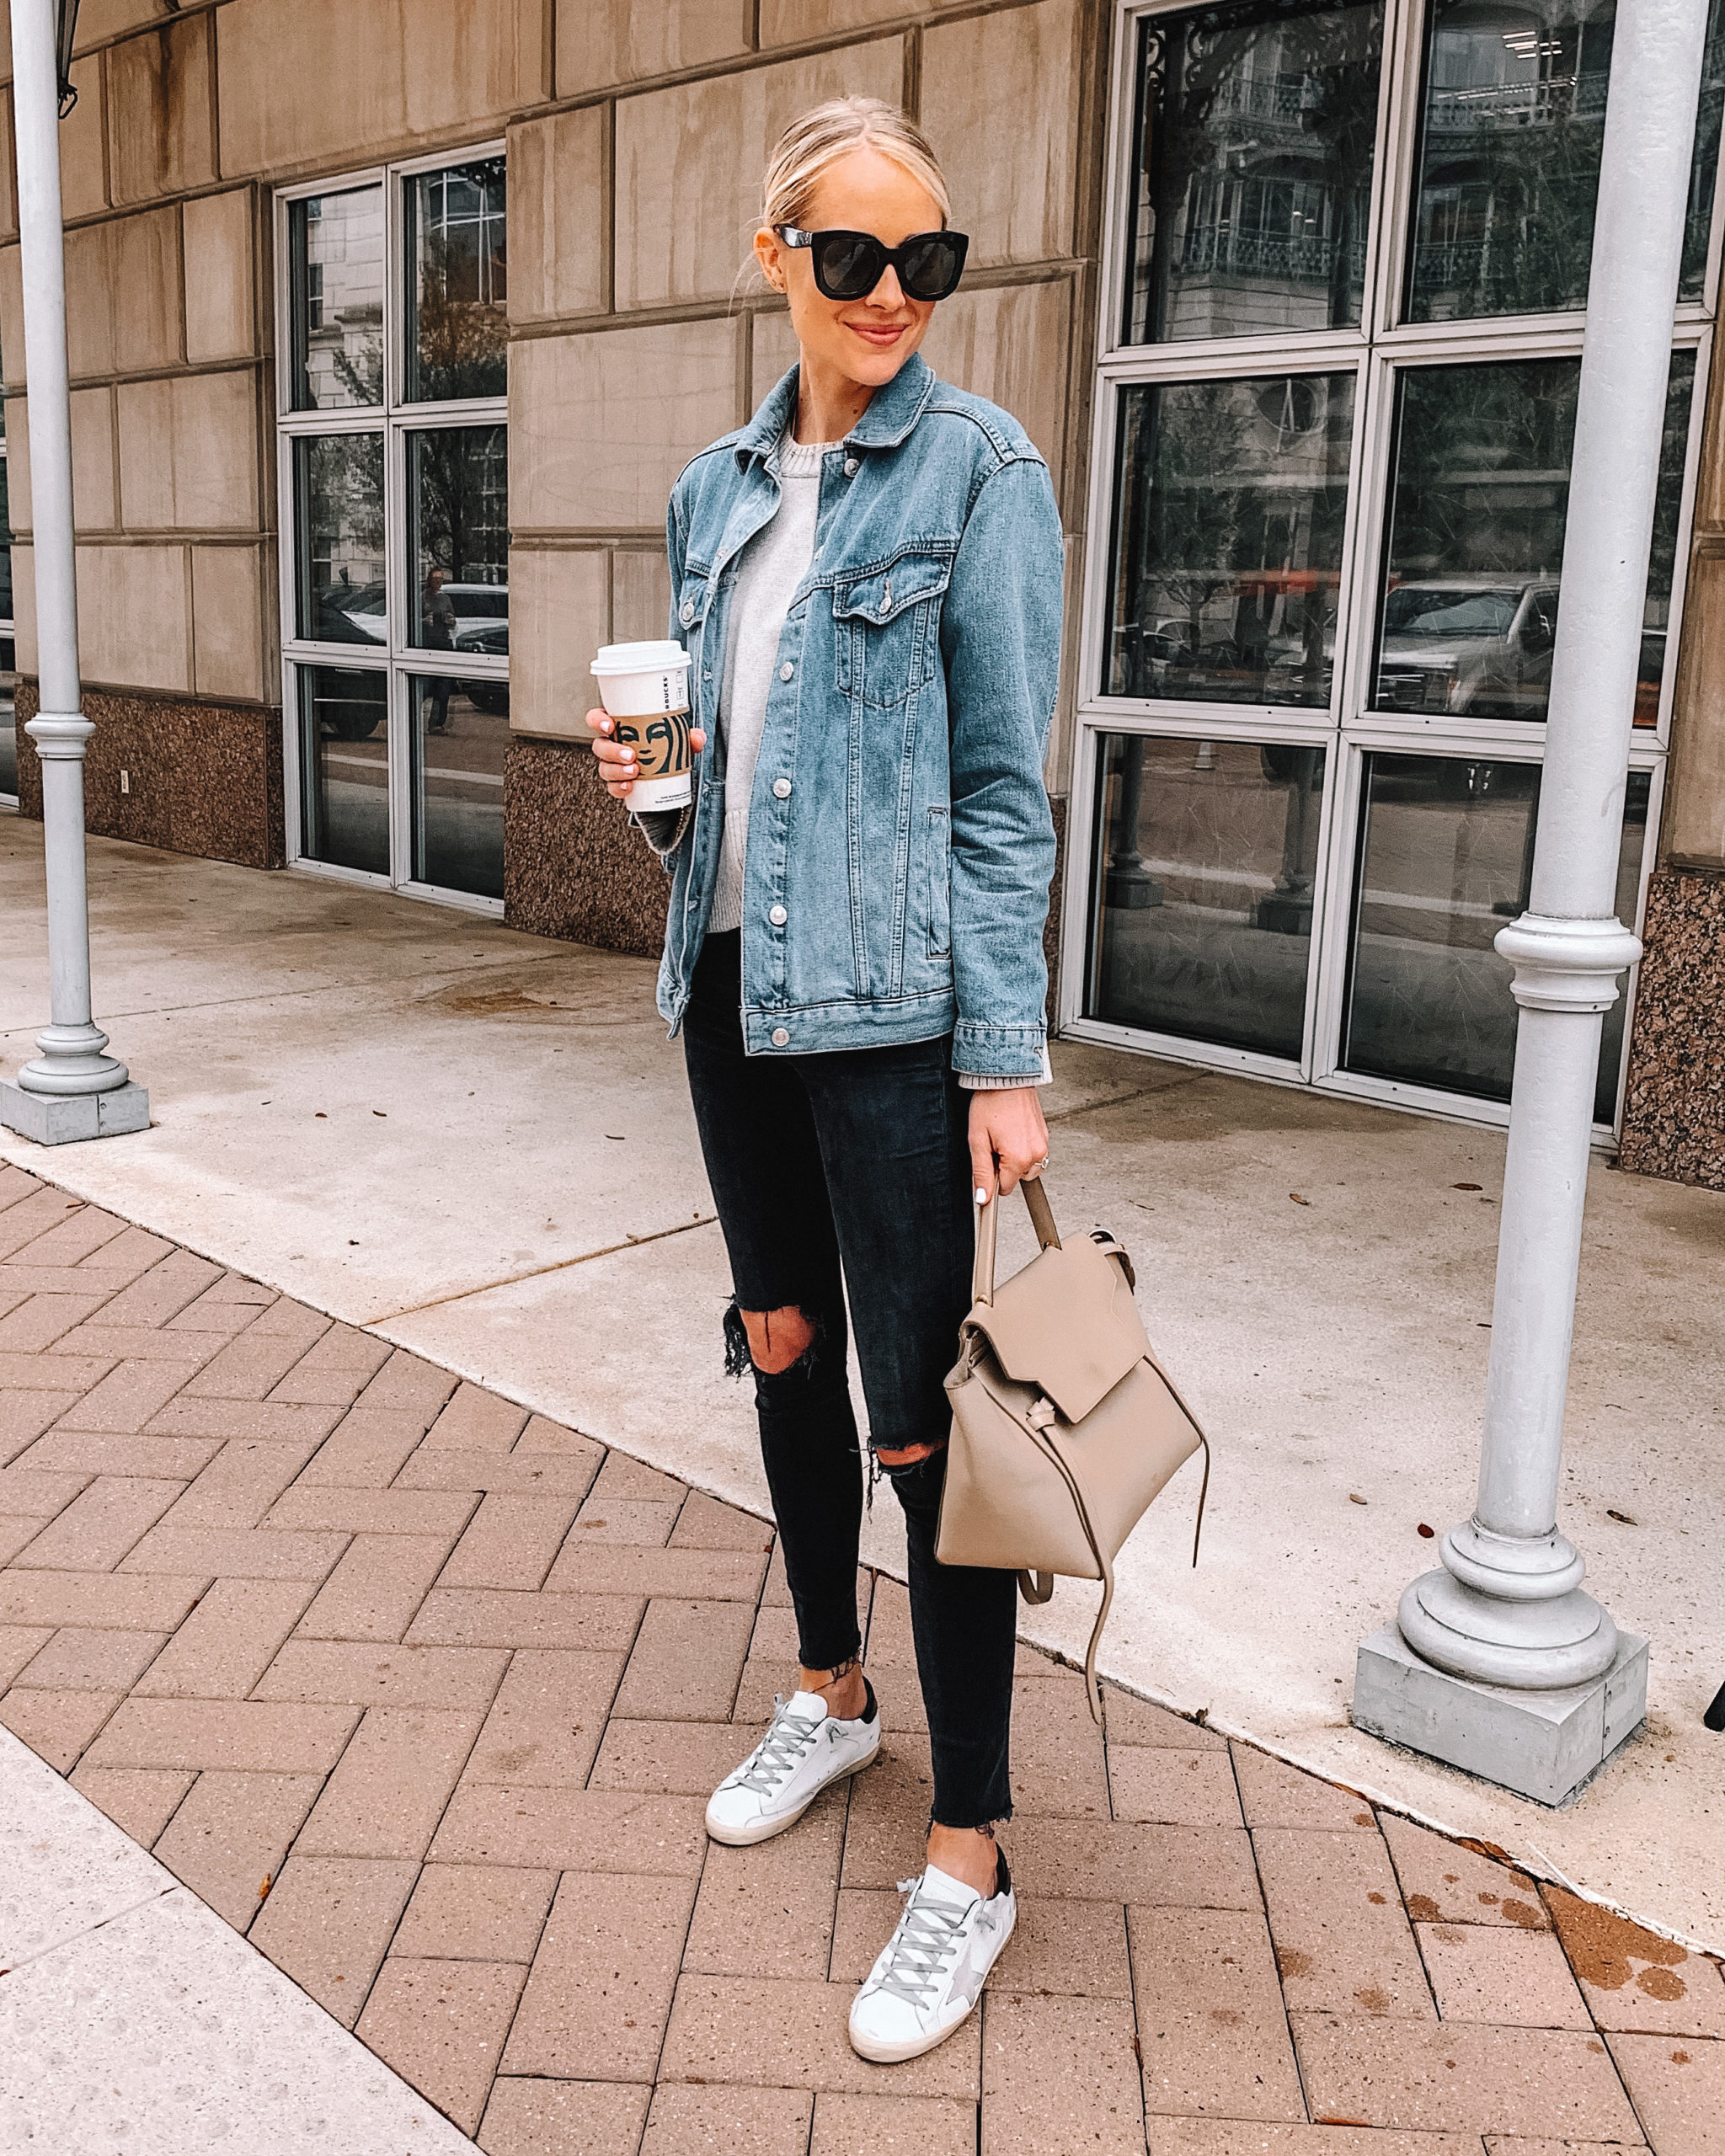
x=67, y=1118
x=1544, y=1745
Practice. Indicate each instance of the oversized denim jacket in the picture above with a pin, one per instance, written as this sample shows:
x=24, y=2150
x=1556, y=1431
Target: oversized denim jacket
x=900, y=839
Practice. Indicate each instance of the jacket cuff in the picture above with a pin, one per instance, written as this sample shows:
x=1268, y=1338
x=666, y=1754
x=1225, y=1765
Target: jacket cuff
x=972, y=1084
x=1000, y=1055
x=662, y=828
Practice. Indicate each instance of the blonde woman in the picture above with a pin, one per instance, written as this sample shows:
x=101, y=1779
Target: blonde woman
x=867, y=579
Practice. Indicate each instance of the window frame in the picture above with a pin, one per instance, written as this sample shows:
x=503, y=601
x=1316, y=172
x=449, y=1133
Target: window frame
x=395, y=420
x=1379, y=348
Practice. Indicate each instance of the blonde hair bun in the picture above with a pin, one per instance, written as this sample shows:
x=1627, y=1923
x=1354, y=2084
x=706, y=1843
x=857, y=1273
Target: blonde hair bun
x=820, y=136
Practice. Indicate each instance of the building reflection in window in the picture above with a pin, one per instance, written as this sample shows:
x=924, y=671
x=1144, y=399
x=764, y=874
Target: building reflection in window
x=1230, y=503
x=459, y=730
x=1446, y=858
x=1255, y=132
x=1479, y=493
x=339, y=502
x=344, y=767
x=1513, y=117
x=459, y=538
x=335, y=259
x=1206, y=855
x=457, y=265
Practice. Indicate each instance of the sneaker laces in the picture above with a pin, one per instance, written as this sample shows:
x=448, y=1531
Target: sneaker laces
x=780, y=1751
x=928, y=1932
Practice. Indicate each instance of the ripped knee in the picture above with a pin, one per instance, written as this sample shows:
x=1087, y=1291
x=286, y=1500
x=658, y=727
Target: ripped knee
x=777, y=1339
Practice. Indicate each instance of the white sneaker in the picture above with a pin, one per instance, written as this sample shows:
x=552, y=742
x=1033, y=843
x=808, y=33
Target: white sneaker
x=805, y=1749
x=932, y=1970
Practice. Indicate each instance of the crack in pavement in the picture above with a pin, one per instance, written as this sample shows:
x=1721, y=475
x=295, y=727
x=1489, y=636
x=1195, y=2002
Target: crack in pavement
x=536, y=1272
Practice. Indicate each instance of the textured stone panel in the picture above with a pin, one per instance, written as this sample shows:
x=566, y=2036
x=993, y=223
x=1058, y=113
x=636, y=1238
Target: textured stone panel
x=189, y=453
x=220, y=323
x=1012, y=185
x=82, y=189
x=99, y=20
x=603, y=42
x=689, y=161
x=1694, y=819
x=132, y=615
x=787, y=22
x=574, y=866
x=559, y=618
x=1010, y=345
x=206, y=778
x=24, y=630
x=161, y=129
x=227, y=622
x=310, y=79
x=11, y=318
x=90, y=312
x=93, y=496
x=601, y=423
x=556, y=217
x=145, y=280
x=1674, y=1105
x=640, y=594
x=8, y=177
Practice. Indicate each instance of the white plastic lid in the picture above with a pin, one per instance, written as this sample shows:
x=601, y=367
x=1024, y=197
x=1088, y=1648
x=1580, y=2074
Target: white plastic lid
x=640, y=658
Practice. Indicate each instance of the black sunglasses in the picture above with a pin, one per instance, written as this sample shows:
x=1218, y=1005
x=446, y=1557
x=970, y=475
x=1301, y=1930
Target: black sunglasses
x=849, y=265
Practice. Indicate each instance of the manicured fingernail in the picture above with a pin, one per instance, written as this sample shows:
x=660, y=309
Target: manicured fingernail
x=982, y=1198
x=605, y=726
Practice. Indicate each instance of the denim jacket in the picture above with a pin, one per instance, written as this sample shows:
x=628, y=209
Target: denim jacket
x=899, y=839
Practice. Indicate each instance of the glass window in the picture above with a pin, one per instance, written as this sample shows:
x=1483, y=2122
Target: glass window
x=459, y=730
x=459, y=538
x=1704, y=166
x=1206, y=855
x=335, y=254
x=1229, y=501
x=1479, y=493
x=1445, y=855
x=344, y=767
x=1256, y=123
x=338, y=518
x=400, y=529
x=1513, y=117
x=457, y=330
x=7, y=654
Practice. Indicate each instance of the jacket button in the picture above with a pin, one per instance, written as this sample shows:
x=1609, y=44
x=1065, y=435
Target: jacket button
x=782, y=787
x=686, y=613
x=778, y=916
x=781, y=1038
x=786, y=671
x=852, y=467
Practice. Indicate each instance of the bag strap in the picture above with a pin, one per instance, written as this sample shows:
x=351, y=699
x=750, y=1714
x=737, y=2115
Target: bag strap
x=1037, y=1587
x=1042, y=1219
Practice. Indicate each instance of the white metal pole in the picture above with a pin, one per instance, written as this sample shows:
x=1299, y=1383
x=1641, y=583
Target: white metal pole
x=1507, y=1608
x=72, y=1066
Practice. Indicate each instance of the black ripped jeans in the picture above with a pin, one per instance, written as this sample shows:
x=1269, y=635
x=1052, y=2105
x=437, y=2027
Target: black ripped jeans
x=847, y=1176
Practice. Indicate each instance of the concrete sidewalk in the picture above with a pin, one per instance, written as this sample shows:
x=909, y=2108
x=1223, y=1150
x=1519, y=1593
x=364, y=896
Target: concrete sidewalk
x=477, y=1145
x=423, y=1695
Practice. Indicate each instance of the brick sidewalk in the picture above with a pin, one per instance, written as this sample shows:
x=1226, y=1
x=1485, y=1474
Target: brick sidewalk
x=424, y=1695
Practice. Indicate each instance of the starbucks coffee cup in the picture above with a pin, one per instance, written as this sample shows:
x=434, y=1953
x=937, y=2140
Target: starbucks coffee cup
x=644, y=688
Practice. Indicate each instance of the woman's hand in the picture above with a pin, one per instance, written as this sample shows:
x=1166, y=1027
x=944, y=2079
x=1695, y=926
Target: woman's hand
x=616, y=764
x=1007, y=1128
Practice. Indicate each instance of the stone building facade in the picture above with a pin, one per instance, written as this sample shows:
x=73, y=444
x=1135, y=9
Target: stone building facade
x=391, y=322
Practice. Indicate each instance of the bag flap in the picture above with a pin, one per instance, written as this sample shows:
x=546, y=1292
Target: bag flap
x=1067, y=1324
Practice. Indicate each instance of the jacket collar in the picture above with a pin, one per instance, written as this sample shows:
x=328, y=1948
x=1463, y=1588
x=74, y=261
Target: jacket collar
x=893, y=411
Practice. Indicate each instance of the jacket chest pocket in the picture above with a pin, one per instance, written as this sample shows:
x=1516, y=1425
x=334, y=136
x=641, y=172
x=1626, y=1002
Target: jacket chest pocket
x=887, y=627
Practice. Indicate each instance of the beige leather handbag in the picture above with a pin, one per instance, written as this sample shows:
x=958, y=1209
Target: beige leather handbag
x=1065, y=1425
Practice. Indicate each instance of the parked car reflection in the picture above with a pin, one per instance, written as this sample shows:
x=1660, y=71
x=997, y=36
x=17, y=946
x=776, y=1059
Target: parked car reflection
x=1482, y=649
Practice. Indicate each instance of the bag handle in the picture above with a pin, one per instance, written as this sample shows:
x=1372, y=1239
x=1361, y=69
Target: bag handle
x=1042, y=1219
